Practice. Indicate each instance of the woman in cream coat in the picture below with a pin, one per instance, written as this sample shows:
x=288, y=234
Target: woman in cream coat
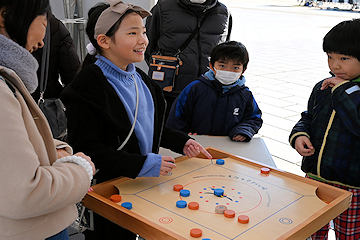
x=40, y=179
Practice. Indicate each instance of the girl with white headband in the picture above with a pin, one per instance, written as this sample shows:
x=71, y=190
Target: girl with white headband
x=115, y=112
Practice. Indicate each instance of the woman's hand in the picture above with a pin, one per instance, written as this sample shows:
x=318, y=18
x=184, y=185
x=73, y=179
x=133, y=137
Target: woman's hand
x=193, y=148
x=62, y=153
x=87, y=158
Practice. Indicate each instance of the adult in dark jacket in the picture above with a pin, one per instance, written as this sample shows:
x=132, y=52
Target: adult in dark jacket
x=63, y=61
x=170, y=25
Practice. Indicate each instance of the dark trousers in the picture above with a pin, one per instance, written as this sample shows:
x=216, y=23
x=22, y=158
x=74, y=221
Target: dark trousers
x=105, y=229
x=170, y=99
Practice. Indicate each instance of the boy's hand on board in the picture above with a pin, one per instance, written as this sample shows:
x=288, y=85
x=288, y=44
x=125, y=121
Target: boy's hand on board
x=239, y=138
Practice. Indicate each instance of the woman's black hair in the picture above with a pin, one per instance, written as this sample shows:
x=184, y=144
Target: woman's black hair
x=230, y=50
x=20, y=14
x=93, y=15
x=344, y=38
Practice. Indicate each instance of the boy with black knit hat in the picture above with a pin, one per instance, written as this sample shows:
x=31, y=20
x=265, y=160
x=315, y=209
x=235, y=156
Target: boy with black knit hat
x=328, y=133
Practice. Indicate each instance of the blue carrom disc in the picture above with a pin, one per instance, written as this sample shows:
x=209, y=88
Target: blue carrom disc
x=181, y=204
x=219, y=192
x=220, y=161
x=127, y=205
x=184, y=193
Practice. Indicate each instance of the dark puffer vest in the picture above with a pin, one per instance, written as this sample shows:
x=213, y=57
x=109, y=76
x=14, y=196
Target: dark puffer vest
x=172, y=23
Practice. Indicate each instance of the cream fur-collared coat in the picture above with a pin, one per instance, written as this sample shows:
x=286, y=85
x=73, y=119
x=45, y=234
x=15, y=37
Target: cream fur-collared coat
x=36, y=198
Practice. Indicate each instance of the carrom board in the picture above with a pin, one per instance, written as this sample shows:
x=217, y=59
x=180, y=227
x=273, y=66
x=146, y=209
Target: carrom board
x=279, y=205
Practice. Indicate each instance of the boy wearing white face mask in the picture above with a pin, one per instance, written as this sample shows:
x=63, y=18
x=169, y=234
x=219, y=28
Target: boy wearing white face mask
x=218, y=103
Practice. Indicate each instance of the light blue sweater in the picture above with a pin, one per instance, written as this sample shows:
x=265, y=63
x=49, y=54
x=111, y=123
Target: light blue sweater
x=123, y=83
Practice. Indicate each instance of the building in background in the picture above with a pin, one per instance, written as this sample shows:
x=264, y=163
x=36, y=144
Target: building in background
x=73, y=13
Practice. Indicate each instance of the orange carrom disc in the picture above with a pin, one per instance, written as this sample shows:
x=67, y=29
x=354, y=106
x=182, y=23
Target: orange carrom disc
x=243, y=219
x=178, y=187
x=265, y=170
x=193, y=205
x=195, y=232
x=229, y=213
x=116, y=198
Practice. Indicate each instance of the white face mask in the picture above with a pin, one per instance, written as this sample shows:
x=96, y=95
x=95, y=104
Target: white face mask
x=227, y=77
x=198, y=1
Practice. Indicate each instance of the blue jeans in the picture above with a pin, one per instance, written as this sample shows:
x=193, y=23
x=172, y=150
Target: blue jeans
x=63, y=235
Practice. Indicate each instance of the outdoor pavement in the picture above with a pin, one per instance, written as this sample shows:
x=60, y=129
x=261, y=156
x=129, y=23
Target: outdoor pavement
x=284, y=41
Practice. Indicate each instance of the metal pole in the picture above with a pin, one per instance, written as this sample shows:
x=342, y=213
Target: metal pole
x=73, y=9
x=68, y=15
x=81, y=30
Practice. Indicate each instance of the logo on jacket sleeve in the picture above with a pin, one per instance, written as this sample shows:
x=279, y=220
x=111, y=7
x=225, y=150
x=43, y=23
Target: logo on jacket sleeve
x=236, y=112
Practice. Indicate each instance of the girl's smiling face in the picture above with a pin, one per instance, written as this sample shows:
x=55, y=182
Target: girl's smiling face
x=129, y=42
x=36, y=33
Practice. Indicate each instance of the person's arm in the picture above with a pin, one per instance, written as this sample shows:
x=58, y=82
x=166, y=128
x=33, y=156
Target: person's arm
x=67, y=57
x=30, y=187
x=250, y=124
x=153, y=32
x=302, y=127
x=88, y=112
x=229, y=27
x=84, y=128
x=345, y=97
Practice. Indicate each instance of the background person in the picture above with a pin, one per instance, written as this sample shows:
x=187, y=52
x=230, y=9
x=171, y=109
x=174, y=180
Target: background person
x=218, y=102
x=40, y=180
x=101, y=105
x=170, y=25
x=64, y=61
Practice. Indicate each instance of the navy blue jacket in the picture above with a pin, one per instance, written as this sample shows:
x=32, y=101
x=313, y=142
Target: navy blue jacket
x=204, y=108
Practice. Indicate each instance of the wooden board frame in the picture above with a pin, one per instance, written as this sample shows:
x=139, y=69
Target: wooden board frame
x=99, y=201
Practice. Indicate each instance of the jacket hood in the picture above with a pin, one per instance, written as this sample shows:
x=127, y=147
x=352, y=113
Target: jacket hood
x=198, y=7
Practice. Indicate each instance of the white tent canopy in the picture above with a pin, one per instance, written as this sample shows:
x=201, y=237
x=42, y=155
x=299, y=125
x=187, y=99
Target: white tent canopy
x=74, y=14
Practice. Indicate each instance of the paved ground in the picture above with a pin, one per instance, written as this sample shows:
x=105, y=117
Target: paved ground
x=284, y=42
x=286, y=60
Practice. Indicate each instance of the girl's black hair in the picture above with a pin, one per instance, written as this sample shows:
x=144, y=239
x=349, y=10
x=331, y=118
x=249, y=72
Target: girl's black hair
x=344, y=38
x=230, y=50
x=20, y=14
x=93, y=15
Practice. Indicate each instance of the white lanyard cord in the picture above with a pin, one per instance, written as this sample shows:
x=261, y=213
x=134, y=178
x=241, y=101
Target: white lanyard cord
x=136, y=112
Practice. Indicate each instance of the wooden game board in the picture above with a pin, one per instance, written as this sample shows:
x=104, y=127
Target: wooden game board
x=280, y=205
